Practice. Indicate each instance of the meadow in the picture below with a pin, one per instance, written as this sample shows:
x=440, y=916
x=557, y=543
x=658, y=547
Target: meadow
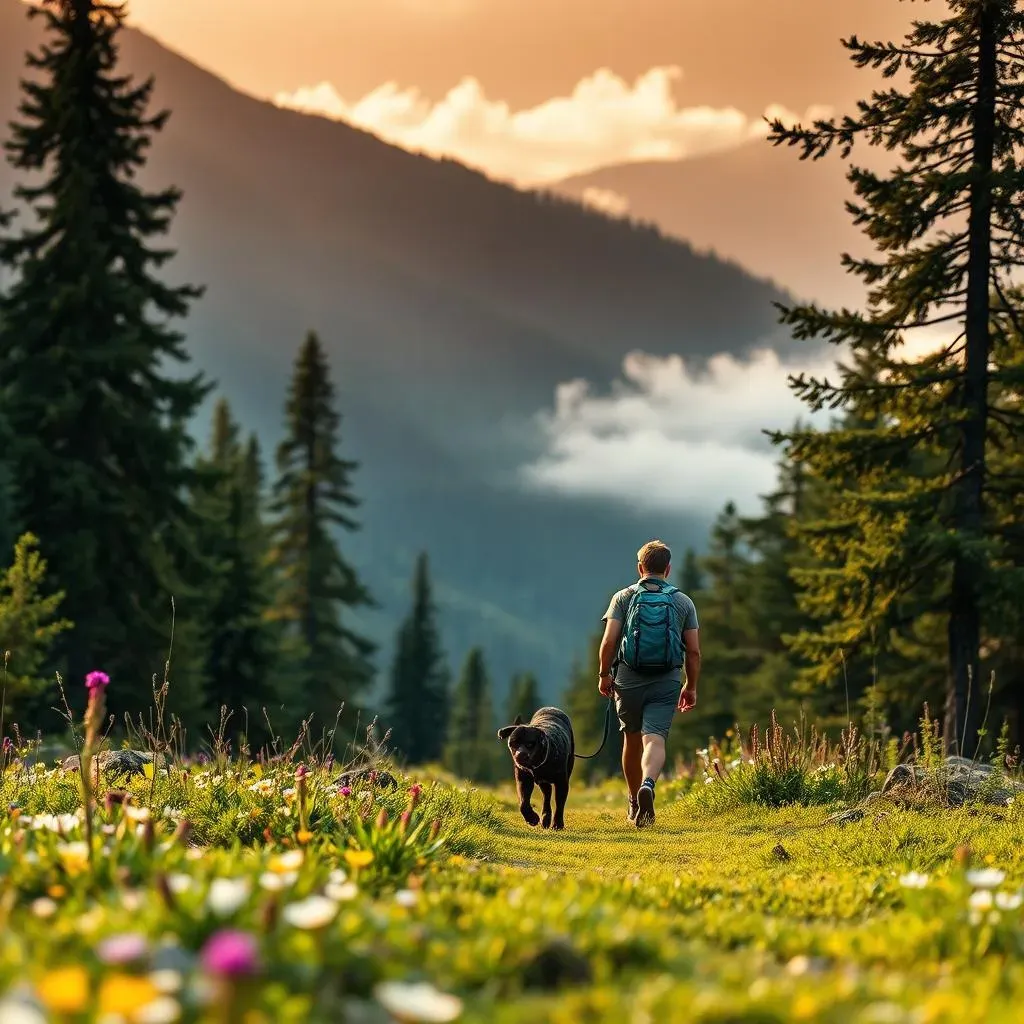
x=282, y=889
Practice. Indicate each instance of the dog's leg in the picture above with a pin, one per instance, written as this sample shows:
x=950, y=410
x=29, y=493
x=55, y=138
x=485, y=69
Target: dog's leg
x=524, y=786
x=561, y=795
x=545, y=820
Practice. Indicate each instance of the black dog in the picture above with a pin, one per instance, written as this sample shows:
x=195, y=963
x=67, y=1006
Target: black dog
x=543, y=752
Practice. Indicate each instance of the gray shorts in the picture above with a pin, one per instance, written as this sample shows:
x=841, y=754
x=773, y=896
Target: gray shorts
x=649, y=708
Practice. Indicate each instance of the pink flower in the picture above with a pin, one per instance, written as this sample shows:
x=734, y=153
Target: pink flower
x=122, y=949
x=345, y=791
x=230, y=953
x=96, y=679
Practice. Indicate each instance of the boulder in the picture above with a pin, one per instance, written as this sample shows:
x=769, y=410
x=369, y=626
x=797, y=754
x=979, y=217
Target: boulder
x=116, y=763
x=954, y=782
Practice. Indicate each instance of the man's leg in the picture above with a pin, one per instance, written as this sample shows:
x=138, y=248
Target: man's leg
x=629, y=706
x=659, y=710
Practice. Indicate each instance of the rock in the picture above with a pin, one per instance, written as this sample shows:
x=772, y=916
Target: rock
x=781, y=853
x=955, y=782
x=374, y=776
x=114, y=762
x=846, y=817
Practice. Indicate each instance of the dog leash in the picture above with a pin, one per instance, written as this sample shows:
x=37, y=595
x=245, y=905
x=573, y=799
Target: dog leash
x=607, y=733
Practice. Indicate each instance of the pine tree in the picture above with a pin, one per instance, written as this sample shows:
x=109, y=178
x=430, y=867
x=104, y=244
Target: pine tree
x=240, y=643
x=473, y=747
x=523, y=697
x=29, y=627
x=318, y=587
x=912, y=516
x=99, y=424
x=691, y=577
x=417, y=703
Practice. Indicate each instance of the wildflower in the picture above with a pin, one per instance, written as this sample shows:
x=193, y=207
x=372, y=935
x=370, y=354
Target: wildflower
x=44, y=907
x=382, y=818
x=435, y=828
x=136, y=814
x=275, y=881
x=230, y=953
x=1009, y=900
x=162, y=1010
x=15, y=1012
x=341, y=892
x=303, y=836
x=359, y=858
x=96, y=679
x=179, y=883
x=406, y=898
x=290, y=860
x=166, y=980
x=414, y=795
x=226, y=895
x=986, y=878
x=913, y=880
x=125, y=994
x=122, y=949
x=345, y=791
x=64, y=989
x=417, y=1002
x=311, y=913
x=981, y=900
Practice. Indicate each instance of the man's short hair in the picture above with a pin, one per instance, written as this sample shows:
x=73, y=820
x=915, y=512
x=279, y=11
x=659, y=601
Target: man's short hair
x=655, y=557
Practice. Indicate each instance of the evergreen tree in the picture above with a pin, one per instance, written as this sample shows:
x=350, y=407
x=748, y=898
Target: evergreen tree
x=473, y=749
x=912, y=517
x=523, y=697
x=691, y=578
x=240, y=643
x=587, y=710
x=29, y=627
x=318, y=587
x=100, y=445
x=417, y=703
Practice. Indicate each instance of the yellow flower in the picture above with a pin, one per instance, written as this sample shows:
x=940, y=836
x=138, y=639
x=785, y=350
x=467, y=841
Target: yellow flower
x=64, y=990
x=74, y=857
x=285, y=863
x=57, y=892
x=359, y=858
x=304, y=836
x=124, y=994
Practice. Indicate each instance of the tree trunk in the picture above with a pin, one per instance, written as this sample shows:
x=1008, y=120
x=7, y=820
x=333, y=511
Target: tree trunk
x=963, y=695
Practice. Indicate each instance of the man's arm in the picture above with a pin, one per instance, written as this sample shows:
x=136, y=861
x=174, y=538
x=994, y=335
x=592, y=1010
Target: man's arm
x=606, y=654
x=688, y=697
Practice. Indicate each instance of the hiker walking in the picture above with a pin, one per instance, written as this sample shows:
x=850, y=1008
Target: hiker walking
x=650, y=633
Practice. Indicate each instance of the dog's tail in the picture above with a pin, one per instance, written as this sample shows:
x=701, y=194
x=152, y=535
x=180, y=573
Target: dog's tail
x=604, y=739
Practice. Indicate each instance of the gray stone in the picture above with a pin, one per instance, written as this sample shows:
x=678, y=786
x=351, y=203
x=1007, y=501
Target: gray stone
x=115, y=763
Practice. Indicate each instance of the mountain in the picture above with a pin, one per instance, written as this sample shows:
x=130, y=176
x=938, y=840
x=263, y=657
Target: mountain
x=451, y=307
x=781, y=217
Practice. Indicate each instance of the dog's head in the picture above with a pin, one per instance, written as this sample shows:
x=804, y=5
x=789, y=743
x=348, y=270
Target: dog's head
x=527, y=744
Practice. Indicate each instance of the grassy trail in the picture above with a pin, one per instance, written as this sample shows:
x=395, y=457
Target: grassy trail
x=754, y=915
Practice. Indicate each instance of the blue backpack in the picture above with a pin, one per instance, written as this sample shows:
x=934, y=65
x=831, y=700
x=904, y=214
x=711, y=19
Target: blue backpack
x=652, y=640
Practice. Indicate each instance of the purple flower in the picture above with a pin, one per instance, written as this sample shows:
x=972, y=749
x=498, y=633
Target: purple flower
x=8, y=746
x=345, y=791
x=122, y=949
x=230, y=953
x=96, y=679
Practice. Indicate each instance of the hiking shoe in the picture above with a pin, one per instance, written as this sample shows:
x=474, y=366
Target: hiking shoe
x=645, y=807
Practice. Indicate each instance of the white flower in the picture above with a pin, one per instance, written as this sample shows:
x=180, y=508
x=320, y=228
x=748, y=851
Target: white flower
x=1009, y=900
x=987, y=878
x=980, y=900
x=44, y=907
x=338, y=876
x=226, y=895
x=162, y=1010
x=274, y=881
x=913, y=880
x=137, y=814
x=166, y=980
x=290, y=860
x=311, y=913
x=417, y=1002
x=342, y=892
x=14, y=1011
x=178, y=882
x=407, y=897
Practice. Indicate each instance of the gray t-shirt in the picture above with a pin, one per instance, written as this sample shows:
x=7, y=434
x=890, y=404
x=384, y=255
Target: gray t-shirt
x=625, y=677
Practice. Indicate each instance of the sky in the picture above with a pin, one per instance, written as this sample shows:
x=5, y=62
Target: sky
x=531, y=91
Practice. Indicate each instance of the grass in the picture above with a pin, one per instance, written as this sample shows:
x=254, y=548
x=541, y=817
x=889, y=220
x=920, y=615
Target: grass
x=747, y=914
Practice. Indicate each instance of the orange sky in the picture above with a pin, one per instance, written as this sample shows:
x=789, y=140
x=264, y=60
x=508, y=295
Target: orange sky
x=746, y=53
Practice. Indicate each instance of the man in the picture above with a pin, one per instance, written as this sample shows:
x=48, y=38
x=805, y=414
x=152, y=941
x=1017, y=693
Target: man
x=646, y=699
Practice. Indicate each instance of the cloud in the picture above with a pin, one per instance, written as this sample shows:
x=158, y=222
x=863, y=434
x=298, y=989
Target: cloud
x=605, y=120
x=607, y=200
x=668, y=439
